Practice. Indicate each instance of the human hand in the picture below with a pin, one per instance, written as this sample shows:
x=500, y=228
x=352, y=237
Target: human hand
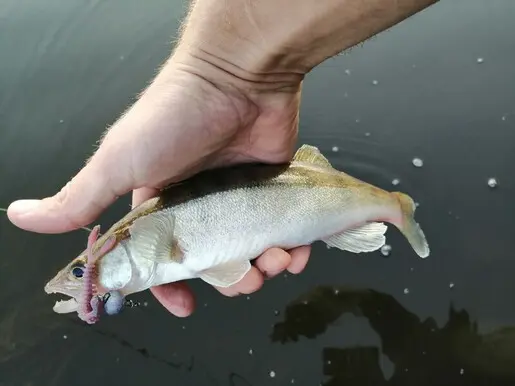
x=183, y=123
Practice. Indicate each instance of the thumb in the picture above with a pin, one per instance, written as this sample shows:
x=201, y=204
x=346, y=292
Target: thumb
x=104, y=178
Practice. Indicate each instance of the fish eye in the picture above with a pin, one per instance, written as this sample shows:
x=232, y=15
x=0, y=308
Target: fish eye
x=78, y=271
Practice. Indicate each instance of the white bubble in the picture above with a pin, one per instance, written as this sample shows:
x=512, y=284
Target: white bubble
x=61, y=121
x=251, y=352
x=357, y=120
x=417, y=162
x=335, y=149
x=347, y=71
x=65, y=336
x=417, y=204
x=272, y=374
x=336, y=291
x=292, y=380
x=122, y=57
x=480, y=60
x=451, y=285
x=492, y=182
x=145, y=304
x=406, y=291
x=396, y=181
x=386, y=250
x=503, y=117
x=375, y=82
x=462, y=371
x=367, y=134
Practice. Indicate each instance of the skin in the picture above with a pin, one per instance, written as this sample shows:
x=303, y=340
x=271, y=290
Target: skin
x=229, y=93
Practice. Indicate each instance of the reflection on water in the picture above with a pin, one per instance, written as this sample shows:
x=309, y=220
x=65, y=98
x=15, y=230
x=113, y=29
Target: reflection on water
x=422, y=353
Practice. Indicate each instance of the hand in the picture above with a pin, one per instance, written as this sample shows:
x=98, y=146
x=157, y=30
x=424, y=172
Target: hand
x=183, y=123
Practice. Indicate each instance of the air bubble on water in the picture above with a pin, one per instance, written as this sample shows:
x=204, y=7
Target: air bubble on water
x=122, y=57
x=347, y=71
x=145, y=304
x=492, y=182
x=205, y=304
x=184, y=327
x=65, y=336
x=292, y=380
x=305, y=302
x=367, y=134
x=406, y=291
x=251, y=352
x=272, y=374
x=329, y=362
x=480, y=60
x=61, y=121
x=503, y=118
x=345, y=94
x=417, y=162
x=386, y=250
x=462, y=371
x=357, y=120
x=335, y=149
x=451, y=285
x=248, y=297
x=336, y=291
x=412, y=269
x=276, y=312
x=375, y=82
x=396, y=181
x=417, y=204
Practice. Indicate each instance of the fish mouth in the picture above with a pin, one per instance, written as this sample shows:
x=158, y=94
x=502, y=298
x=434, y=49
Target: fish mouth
x=63, y=306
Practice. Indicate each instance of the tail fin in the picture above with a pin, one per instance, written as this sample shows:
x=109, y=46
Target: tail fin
x=409, y=227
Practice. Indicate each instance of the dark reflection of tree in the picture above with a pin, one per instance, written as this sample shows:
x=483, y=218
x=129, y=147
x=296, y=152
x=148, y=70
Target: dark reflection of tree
x=422, y=353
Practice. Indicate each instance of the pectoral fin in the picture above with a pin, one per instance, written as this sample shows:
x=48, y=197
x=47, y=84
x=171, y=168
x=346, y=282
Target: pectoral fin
x=366, y=238
x=225, y=275
x=152, y=237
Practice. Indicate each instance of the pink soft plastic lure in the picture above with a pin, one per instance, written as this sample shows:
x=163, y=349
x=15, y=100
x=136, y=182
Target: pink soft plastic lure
x=91, y=306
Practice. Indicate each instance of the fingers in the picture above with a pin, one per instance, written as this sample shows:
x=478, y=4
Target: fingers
x=271, y=263
x=251, y=282
x=299, y=259
x=177, y=298
x=142, y=194
x=81, y=201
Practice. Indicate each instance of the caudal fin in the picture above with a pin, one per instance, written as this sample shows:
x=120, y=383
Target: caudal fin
x=409, y=227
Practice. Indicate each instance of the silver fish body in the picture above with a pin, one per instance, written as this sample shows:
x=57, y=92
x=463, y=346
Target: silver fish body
x=211, y=227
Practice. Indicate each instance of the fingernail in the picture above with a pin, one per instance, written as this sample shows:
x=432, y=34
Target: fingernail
x=22, y=207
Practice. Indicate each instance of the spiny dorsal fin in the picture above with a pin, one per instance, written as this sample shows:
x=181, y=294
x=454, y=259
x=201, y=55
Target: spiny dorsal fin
x=311, y=154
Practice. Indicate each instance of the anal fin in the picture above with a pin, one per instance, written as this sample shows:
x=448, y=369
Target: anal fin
x=367, y=238
x=225, y=275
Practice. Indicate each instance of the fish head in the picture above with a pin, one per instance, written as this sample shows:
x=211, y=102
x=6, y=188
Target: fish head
x=113, y=271
x=68, y=281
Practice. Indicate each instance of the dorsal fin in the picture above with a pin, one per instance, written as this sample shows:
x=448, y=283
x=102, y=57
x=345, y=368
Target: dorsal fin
x=311, y=154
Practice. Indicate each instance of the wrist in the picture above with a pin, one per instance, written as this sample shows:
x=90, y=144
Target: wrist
x=279, y=41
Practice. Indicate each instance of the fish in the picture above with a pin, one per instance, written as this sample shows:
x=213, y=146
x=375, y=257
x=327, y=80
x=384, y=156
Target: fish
x=213, y=224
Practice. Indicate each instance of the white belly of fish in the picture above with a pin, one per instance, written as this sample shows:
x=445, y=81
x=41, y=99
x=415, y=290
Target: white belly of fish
x=237, y=226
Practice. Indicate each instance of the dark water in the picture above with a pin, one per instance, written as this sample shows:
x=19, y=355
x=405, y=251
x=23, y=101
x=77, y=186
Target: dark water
x=69, y=68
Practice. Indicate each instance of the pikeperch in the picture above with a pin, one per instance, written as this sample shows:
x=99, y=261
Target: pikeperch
x=213, y=224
